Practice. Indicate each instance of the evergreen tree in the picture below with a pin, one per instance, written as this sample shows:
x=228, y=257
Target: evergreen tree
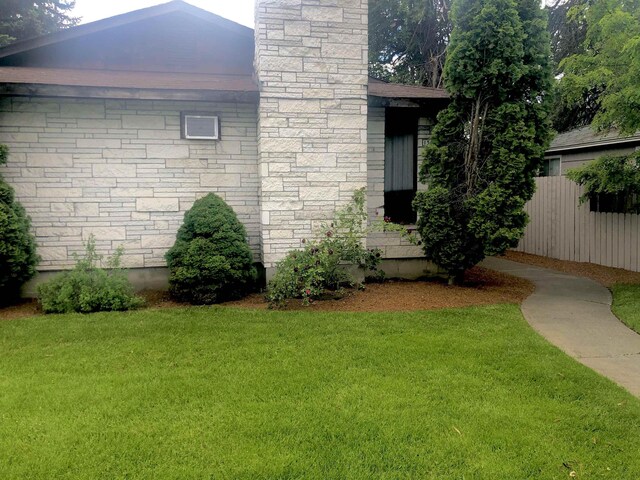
x=607, y=70
x=22, y=19
x=18, y=257
x=489, y=142
x=408, y=39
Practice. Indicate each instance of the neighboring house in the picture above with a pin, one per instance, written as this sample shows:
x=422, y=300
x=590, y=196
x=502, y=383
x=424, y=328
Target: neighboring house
x=574, y=148
x=116, y=127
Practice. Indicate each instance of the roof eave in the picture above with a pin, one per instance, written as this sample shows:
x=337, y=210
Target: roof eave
x=593, y=145
x=121, y=20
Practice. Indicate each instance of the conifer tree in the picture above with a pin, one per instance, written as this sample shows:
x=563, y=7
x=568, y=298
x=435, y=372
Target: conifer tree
x=18, y=257
x=490, y=141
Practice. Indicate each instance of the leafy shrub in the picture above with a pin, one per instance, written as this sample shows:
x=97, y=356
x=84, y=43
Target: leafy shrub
x=611, y=175
x=18, y=257
x=323, y=264
x=89, y=288
x=211, y=260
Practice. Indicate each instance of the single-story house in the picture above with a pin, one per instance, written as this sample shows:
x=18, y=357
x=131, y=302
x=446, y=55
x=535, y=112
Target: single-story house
x=576, y=147
x=116, y=127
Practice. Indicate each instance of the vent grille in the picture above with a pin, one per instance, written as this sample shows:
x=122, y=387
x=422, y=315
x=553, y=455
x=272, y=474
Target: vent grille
x=200, y=127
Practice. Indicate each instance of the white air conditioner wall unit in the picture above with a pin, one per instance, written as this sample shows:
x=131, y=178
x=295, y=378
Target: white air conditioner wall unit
x=200, y=126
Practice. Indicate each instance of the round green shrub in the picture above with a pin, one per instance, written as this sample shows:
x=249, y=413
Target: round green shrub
x=211, y=260
x=18, y=257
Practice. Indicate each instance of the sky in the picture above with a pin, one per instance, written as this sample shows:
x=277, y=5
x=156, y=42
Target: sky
x=240, y=11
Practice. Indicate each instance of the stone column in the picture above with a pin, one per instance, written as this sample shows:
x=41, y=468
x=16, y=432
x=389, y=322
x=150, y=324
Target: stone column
x=311, y=64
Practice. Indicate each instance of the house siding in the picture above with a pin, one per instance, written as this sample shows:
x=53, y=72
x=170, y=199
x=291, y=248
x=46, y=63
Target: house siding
x=119, y=169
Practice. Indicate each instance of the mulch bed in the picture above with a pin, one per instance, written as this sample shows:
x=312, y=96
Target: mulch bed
x=607, y=276
x=482, y=287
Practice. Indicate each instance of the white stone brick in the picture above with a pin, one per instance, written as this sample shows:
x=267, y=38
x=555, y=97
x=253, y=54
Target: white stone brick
x=82, y=110
x=131, y=192
x=298, y=28
x=87, y=209
x=18, y=137
x=288, y=233
x=316, y=159
x=66, y=207
x=56, y=232
x=124, y=153
x=147, y=122
x=167, y=151
x=24, y=190
x=94, y=182
x=327, y=177
x=280, y=145
x=220, y=180
x=59, y=192
x=99, y=143
x=299, y=106
x=342, y=50
x=186, y=163
x=24, y=119
x=347, y=121
x=104, y=233
x=322, y=14
x=319, y=193
x=157, y=241
x=158, y=204
x=272, y=184
x=53, y=253
x=281, y=64
x=114, y=170
x=49, y=160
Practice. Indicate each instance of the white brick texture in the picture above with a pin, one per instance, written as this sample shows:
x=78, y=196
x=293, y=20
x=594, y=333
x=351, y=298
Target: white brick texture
x=118, y=169
x=311, y=61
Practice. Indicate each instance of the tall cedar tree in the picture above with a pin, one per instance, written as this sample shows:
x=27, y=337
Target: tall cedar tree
x=489, y=143
x=18, y=257
x=22, y=19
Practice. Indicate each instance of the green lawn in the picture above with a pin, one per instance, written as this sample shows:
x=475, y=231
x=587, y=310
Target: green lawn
x=218, y=393
x=626, y=305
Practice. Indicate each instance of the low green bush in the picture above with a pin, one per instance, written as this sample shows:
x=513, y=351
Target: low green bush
x=211, y=260
x=89, y=288
x=18, y=258
x=323, y=265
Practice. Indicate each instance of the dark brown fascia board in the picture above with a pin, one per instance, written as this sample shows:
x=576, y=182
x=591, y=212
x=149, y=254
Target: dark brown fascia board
x=117, y=93
x=593, y=145
x=125, y=19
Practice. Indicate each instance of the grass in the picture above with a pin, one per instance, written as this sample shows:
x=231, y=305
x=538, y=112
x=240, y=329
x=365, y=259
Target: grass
x=626, y=304
x=221, y=393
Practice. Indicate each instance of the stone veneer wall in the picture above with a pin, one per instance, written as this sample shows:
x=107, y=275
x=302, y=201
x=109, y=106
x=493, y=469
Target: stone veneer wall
x=311, y=62
x=119, y=169
x=391, y=244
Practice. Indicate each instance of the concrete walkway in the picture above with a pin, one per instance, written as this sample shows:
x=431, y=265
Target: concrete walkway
x=574, y=314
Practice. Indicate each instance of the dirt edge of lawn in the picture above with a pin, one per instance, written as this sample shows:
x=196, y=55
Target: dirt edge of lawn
x=607, y=276
x=481, y=287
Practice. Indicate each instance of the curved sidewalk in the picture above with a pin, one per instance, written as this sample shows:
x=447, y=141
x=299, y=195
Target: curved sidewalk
x=574, y=314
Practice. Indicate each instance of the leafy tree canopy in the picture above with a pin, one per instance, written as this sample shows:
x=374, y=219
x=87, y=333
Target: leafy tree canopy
x=408, y=39
x=22, y=19
x=607, y=70
x=489, y=142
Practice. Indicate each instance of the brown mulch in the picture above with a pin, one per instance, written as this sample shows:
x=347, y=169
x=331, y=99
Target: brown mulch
x=607, y=276
x=481, y=287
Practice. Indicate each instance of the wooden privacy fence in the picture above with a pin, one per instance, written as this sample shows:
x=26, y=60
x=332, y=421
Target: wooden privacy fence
x=561, y=228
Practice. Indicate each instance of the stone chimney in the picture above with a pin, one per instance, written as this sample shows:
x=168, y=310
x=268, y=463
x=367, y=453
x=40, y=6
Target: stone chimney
x=311, y=64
